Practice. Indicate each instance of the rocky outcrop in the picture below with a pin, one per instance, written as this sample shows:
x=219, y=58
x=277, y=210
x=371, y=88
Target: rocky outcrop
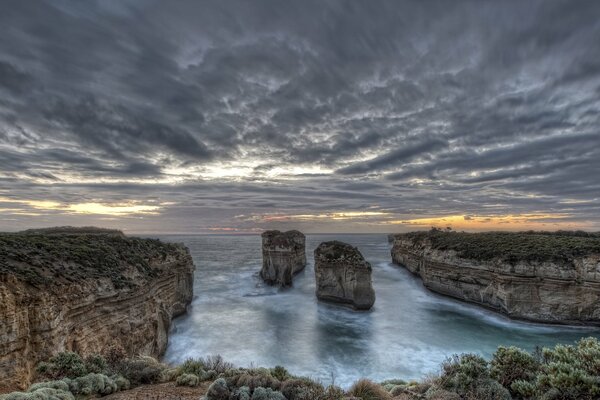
x=284, y=254
x=537, y=277
x=343, y=276
x=82, y=291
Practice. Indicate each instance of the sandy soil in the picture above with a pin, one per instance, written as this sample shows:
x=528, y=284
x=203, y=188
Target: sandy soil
x=163, y=391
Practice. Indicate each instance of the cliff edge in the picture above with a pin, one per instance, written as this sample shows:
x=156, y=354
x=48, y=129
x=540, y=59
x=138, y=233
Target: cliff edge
x=82, y=289
x=550, y=277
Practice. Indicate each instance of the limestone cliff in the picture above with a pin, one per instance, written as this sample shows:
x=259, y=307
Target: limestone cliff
x=343, y=275
x=536, y=276
x=82, y=290
x=284, y=254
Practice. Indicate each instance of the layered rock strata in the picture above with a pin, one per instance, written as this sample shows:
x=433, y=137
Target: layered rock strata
x=537, y=277
x=343, y=276
x=284, y=255
x=82, y=291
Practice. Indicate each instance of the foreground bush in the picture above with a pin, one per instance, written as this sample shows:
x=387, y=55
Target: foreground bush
x=565, y=372
x=368, y=390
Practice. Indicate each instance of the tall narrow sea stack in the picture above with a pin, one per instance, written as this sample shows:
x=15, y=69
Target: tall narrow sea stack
x=343, y=276
x=284, y=254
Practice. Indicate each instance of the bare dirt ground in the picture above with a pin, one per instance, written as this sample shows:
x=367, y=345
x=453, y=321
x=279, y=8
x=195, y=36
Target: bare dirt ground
x=163, y=391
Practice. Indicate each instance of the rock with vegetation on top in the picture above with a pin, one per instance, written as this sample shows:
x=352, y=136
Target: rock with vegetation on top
x=83, y=289
x=343, y=276
x=284, y=254
x=538, y=276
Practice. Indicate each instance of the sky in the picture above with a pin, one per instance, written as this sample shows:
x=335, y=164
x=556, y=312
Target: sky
x=324, y=116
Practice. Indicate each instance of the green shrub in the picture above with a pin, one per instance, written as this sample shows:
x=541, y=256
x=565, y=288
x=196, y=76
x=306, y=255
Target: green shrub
x=65, y=364
x=302, y=389
x=121, y=382
x=44, y=393
x=218, y=390
x=192, y=366
x=441, y=394
x=253, y=378
x=93, y=384
x=490, y=389
x=142, y=370
x=280, y=373
x=209, y=375
x=523, y=388
x=95, y=363
x=190, y=380
x=241, y=393
x=368, y=390
x=261, y=393
x=510, y=364
x=59, y=385
x=460, y=373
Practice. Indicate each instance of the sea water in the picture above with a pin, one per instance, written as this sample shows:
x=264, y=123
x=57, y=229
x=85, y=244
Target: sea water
x=408, y=333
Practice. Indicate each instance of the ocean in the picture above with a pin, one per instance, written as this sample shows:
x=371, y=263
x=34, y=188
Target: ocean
x=408, y=333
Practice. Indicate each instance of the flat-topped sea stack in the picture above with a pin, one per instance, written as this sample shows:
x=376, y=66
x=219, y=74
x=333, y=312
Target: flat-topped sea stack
x=82, y=290
x=284, y=254
x=551, y=277
x=343, y=276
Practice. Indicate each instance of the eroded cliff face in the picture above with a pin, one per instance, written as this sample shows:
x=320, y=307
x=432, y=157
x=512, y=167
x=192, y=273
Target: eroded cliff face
x=550, y=291
x=284, y=254
x=343, y=276
x=83, y=292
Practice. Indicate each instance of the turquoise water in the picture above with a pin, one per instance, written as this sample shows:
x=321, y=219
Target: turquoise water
x=407, y=334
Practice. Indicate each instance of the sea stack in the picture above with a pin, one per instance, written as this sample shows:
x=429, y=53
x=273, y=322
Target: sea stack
x=284, y=254
x=343, y=276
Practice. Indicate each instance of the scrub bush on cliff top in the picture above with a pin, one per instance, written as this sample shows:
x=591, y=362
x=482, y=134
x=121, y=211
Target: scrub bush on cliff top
x=44, y=393
x=566, y=372
x=65, y=364
x=368, y=390
x=510, y=364
x=190, y=380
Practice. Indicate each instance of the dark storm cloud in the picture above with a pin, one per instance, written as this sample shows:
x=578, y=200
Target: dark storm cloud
x=462, y=107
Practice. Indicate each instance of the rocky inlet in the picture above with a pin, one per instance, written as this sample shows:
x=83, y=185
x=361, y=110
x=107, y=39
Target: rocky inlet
x=343, y=276
x=284, y=254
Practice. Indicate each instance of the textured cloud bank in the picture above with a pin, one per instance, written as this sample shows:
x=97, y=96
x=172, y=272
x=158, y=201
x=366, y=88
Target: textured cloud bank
x=326, y=115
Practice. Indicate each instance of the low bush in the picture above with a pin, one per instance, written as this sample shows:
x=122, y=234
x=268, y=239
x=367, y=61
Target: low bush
x=63, y=365
x=302, y=389
x=141, y=370
x=280, y=373
x=218, y=390
x=216, y=363
x=510, y=364
x=461, y=373
x=192, y=366
x=369, y=390
x=261, y=393
x=93, y=384
x=44, y=393
x=190, y=380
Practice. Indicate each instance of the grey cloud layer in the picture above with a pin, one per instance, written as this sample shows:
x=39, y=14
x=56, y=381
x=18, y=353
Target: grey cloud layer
x=417, y=108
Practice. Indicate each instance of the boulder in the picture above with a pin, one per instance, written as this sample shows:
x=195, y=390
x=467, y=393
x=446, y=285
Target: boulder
x=284, y=254
x=343, y=276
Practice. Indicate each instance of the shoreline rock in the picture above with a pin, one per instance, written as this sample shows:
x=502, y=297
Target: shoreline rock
x=343, y=276
x=284, y=255
x=538, y=290
x=83, y=291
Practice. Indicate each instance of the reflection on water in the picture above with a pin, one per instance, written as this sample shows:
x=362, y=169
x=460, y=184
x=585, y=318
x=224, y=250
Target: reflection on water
x=407, y=334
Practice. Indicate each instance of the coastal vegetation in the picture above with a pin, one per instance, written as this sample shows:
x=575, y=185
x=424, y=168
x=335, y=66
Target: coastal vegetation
x=511, y=246
x=564, y=372
x=55, y=255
